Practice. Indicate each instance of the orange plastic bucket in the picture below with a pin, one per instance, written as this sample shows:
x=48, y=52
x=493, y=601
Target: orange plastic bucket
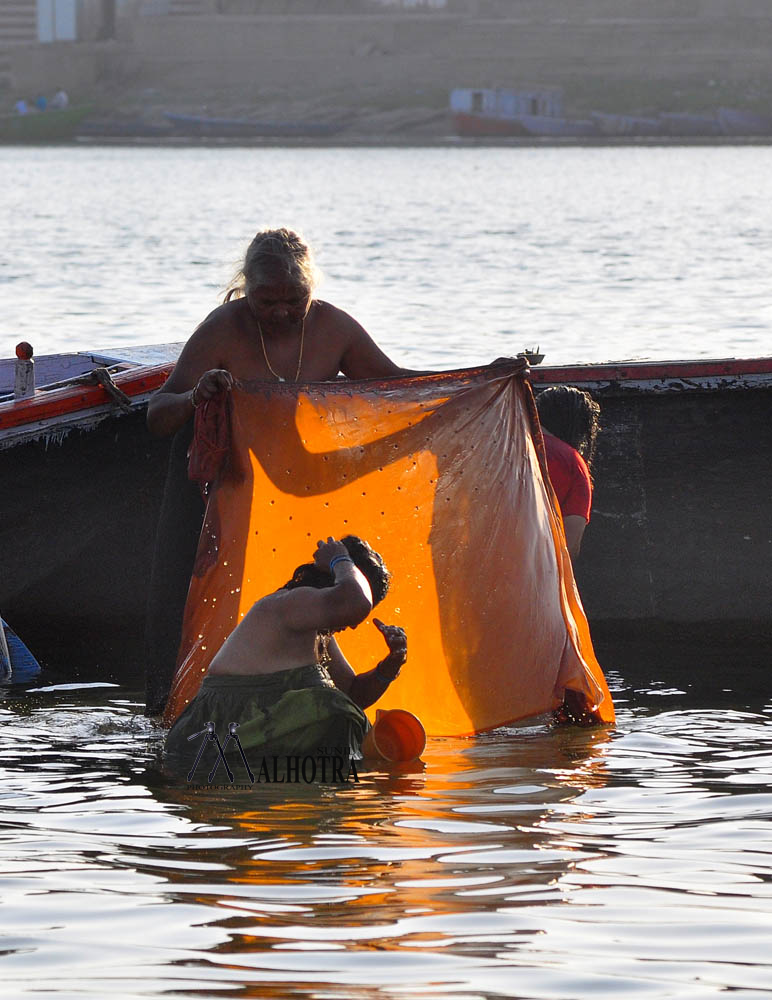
x=396, y=736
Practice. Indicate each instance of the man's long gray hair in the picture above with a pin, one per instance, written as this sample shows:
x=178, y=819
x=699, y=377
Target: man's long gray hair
x=275, y=256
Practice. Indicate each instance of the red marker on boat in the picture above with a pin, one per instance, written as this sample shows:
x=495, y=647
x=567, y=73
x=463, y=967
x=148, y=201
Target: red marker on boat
x=24, y=376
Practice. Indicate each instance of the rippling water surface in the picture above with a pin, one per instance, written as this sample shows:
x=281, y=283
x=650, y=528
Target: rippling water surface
x=449, y=256
x=525, y=863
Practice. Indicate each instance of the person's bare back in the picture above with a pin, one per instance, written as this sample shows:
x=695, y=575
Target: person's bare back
x=294, y=626
x=280, y=631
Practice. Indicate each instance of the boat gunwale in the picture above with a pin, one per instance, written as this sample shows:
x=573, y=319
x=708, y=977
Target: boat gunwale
x=55, y=403
x=710, y=373
x=141, y=380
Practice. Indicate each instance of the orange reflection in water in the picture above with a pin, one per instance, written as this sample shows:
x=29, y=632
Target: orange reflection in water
x=418, y=860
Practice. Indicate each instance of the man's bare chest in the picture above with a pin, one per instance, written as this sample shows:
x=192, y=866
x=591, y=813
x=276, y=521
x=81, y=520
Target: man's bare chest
x=313, y=357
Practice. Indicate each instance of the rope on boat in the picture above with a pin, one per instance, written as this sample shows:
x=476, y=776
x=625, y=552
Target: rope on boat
x=97, y=376
x=101, y=376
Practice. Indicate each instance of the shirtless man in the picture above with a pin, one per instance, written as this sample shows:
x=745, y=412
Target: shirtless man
x=269, y=327
x=282, y=677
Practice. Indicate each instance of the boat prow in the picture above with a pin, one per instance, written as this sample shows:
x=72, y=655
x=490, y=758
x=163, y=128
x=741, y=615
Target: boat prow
x=82, y=485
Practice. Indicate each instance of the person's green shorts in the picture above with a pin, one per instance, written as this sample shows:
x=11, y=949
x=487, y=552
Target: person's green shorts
x=290, y=712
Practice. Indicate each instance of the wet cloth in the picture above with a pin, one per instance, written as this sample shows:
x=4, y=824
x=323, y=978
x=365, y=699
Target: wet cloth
x=290, y=712
x=177, y=537
x=446, y=476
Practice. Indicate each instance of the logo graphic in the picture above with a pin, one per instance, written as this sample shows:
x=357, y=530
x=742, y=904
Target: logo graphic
x=210, y=736
x=294, y=769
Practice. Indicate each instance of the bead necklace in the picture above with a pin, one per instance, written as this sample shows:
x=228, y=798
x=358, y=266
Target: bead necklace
x=325, y=657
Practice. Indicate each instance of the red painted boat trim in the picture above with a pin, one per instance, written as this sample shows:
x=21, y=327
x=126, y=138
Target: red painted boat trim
x=142, y=380
x=635, y=371
x=69, y=399
x=469, y=124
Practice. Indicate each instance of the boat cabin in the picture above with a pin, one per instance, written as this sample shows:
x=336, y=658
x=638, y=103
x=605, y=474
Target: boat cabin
x=502, y=102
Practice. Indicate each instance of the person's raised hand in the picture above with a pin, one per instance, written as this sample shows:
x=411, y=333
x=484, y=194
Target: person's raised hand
x=327, y=551
x=396, y=640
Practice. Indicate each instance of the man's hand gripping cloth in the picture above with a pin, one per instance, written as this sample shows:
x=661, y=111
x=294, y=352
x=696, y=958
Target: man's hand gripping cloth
x=445, y=475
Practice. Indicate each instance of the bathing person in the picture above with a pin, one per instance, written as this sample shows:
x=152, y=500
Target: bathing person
x=60, y=101
x=280, y=674
x=269, y=327
x=569, y=422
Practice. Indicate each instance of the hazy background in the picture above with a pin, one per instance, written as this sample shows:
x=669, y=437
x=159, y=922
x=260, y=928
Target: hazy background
x=358, y=58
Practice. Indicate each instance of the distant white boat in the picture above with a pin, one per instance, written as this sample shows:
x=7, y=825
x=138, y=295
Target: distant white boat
x=492, y=111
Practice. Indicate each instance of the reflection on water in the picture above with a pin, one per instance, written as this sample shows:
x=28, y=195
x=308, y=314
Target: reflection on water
x=528, y=862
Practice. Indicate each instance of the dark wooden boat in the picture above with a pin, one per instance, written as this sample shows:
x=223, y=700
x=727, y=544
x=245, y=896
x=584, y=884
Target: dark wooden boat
x=678, y=549
x=225, y=128
x=471, y=125
x=679, y=546
x=82, y=481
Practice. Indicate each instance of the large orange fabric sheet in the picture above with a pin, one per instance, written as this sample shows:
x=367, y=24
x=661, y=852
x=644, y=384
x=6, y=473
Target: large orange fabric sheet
x=445, y=476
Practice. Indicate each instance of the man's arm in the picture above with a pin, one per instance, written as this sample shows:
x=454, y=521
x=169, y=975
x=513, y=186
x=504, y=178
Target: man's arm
x=366, y=688
x=197, y=376
x=344, y=605
x=574, y=525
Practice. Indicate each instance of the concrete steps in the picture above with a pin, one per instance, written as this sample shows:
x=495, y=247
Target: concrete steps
x=18, y=26
x=18, y=22
x=190, y=8
x=6, y=76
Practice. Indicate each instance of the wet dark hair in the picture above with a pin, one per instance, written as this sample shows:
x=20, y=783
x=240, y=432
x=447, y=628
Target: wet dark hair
x=371, y=564
x=573, y=416
x=366, y=559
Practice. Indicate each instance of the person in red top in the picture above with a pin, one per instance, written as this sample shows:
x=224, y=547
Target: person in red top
x=569, y=422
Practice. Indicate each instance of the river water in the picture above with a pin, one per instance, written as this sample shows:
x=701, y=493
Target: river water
x=448, y=256
x=528, y=862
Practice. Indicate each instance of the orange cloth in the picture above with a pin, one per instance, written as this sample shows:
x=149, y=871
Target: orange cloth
x=443, y=475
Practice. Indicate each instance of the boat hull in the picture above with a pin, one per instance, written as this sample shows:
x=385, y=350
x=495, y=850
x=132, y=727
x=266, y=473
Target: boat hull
x=77, y=540
x=683, y=473
x=678, y=546
x=471, y=125
x=82, y=483
x=195, y=126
